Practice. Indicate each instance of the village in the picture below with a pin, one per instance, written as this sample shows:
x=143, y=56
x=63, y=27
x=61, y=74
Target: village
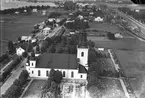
x=69, y=55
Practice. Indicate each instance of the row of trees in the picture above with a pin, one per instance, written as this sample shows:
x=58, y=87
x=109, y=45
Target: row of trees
x=8, y=70
x=51, y=88
x=11, y=47
x=15, y=90
x=77, y=24
x=3, y=57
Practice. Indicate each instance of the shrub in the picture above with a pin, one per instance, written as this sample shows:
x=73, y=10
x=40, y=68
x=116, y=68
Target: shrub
x=9, y=69
x=54, y=14
x=23, y=76
x=16, y=87
x=3, y=57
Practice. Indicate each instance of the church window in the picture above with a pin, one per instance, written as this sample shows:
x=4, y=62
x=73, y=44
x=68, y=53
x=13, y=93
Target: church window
x=47, y=73
x=72, y=74
x=81, y=76
x=63, y=73
x=38, y=72
x=82, y=54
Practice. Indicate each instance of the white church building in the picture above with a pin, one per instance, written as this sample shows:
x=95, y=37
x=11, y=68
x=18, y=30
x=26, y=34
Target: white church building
x=72, y=66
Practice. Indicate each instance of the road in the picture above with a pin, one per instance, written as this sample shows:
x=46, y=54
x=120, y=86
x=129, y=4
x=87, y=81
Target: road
x=139, y=24
x=15, y=74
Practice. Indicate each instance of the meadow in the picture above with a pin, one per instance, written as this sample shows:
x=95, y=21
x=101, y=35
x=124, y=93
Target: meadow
x=133, y=64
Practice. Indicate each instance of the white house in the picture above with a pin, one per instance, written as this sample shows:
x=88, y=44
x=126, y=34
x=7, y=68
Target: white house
x=98, y=19
x=19, y=51
x=72, y=66
x=46, y=30
x=26, y=38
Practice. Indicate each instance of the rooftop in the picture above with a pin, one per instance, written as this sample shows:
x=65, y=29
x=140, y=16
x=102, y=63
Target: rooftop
x=56, y=60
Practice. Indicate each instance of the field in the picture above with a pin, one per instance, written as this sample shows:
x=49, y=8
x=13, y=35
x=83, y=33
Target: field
x=109, y=27
x=133, y=64
x=124, y=44
x=34, y=89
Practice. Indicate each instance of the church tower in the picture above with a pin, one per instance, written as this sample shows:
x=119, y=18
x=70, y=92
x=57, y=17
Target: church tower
x=82, y=50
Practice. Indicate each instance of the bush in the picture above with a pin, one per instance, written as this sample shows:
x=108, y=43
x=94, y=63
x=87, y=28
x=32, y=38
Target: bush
x=3, y=57
x=16, y=87
x=23, y=77
x=69, y=5
x=9, y=69
x=54, y=14
x=110, y=36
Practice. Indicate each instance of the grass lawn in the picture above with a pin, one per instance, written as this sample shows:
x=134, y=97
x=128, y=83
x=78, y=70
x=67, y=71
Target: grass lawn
x=133, y=64
x=34, y=89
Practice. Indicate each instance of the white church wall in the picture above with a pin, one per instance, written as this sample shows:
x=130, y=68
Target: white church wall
x=34, y=72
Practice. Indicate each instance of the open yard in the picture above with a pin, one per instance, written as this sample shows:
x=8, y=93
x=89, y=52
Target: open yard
x=133, y=64
x=34, y=89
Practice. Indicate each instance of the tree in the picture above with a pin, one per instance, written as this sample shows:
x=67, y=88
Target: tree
x=19, y=38
x=59, y=50
x=49, y=40
x=11, y=47
x=110, y=36
x=95, y=67
x=91, y=44
x=57, y=77
x=24, y=54
x=92, y=56
x=17, y=82
x=54, y=14
x=52, y=49
x=52, y=73
x=69, y=5
x=23, y=77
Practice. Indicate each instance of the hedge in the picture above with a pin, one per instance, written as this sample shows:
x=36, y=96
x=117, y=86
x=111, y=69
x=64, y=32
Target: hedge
x=3, y=57
x=8, y=70
x=15, y=89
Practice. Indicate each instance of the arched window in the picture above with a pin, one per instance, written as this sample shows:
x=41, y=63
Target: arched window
x=63, y=73
x=82, y=54
x=47, y=73
x=38, y=72
x=72, y=74
x=81, y=76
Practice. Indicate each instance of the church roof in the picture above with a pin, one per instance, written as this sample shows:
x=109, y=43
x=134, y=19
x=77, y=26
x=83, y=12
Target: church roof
x=56, y=60
x=82, y=69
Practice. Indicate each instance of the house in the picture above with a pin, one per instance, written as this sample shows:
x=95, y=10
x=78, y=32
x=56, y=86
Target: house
x=46, y=30
x=19, y=51
x=98, y=19
x=72, y=66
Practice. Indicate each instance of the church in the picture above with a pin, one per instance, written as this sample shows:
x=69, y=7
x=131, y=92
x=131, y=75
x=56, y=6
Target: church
x=72, y=66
